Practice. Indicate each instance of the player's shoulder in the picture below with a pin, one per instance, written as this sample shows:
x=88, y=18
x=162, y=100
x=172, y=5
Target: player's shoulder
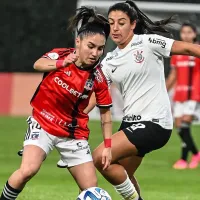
x=109, y=57
x=99, y=75
x=59, y=53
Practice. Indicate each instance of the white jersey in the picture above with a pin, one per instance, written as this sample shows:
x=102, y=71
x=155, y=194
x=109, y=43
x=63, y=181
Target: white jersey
x=138, y=72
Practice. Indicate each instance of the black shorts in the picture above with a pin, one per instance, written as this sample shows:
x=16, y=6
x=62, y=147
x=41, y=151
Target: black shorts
x=145, y=135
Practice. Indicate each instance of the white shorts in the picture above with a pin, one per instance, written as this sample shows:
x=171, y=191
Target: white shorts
x=72, y=151
x=185, y=108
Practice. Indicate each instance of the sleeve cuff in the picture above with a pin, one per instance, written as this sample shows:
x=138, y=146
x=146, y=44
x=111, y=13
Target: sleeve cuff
x=104, y=106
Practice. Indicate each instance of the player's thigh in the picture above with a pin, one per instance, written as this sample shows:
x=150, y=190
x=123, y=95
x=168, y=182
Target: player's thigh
x=73, y=152
x=131, y=164
x=121, y=148
x=32, y=159
x=84, y=175
x=37, y=144
x=76, y=156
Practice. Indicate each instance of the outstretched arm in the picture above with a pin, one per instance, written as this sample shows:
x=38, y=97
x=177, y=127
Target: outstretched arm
x=185, y=48
x=47, y=65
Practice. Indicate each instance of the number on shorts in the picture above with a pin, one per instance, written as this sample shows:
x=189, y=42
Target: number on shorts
x=31, y=125
x=136, y=126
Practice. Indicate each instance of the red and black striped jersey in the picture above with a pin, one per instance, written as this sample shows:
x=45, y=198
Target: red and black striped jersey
x=188, y=78
x=63, y=94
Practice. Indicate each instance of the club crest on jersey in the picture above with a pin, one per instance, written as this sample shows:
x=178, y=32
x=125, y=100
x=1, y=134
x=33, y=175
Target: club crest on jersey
x=89, y=84
x=139, y=58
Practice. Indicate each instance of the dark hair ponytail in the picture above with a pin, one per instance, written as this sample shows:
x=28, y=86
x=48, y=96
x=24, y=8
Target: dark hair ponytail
x=87, y=21
x=144, y=25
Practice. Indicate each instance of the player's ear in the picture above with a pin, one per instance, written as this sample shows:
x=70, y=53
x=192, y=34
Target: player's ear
x=77, y=42
x=133, y=25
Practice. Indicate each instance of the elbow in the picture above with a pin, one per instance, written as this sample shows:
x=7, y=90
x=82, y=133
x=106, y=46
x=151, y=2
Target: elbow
x=36, y=66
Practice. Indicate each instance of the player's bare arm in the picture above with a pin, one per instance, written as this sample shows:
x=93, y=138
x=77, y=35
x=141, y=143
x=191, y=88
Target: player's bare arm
x=106, y=123
x=47, y=65
x=185, y=48
x=91, y=105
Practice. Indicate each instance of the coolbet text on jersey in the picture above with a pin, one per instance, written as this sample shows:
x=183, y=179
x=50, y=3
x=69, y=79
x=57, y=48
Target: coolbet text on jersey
x=63, y=94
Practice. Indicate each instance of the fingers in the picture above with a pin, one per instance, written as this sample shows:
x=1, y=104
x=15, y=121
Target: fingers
x=106, y=163
x=106, y=160
x=103, y=159
x=70, y=59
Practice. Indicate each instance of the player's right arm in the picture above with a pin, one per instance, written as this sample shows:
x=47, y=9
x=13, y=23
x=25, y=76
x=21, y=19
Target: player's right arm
x=93, y=102
x=46, y=64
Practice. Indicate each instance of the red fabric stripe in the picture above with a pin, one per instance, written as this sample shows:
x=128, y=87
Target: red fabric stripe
x=5, y=93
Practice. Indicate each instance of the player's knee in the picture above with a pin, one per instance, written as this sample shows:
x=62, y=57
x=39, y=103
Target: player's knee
x=97, y=159
x=28, y=172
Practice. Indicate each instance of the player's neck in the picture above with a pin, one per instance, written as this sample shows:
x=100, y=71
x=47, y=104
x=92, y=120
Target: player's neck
x=82, y=65
x=123, y=45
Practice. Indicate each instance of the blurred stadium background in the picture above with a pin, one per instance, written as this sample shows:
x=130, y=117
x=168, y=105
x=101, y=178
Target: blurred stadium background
x=31, y=28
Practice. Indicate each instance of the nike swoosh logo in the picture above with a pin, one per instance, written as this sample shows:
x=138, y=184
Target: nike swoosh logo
x=113, y=70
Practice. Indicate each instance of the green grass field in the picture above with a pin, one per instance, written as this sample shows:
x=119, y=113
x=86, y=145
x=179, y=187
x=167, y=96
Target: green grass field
x=157, y=179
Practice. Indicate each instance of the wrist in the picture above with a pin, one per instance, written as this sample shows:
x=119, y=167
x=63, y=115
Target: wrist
x=107, y=143
x=59, y=64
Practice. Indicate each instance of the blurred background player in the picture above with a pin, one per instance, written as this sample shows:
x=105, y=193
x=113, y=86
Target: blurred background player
x=185, y=77
x=58, y=118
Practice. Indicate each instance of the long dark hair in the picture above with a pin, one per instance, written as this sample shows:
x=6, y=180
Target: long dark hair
x=144, y=25
x=192, y=26
x=88, y=22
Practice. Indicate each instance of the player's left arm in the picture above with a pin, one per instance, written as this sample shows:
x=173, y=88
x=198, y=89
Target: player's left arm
x=91, y=105
x=185, y=48
x=104, y=102
x=106, y=124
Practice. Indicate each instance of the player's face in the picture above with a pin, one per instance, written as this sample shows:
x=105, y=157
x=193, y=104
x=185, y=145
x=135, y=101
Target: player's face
x=90, y=48
x=121, y=29
x=187, y=34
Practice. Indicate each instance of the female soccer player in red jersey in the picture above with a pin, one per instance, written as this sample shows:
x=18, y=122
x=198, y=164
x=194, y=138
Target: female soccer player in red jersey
x=58, y=119
x=185, y=74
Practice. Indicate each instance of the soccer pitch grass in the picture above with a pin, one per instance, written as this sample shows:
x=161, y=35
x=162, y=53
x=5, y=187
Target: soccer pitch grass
x=157, y=179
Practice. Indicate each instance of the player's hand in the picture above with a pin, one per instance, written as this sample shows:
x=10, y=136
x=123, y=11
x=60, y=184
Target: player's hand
x=70, y=59
x=106, y=157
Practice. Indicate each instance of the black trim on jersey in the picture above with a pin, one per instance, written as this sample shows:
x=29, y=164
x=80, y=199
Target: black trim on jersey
x=104, y=106
x=75, y=110
x=96, y=64
x=190, y=75
x=67, y=51
x=37, y=90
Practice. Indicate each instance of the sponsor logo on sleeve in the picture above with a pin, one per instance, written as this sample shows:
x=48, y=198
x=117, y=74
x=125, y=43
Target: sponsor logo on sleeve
x=98, y=76
x=53, y=55
x=158, y=41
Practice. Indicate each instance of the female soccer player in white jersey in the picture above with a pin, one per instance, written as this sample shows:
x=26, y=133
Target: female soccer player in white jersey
x=136, y=68
x=58, y=118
